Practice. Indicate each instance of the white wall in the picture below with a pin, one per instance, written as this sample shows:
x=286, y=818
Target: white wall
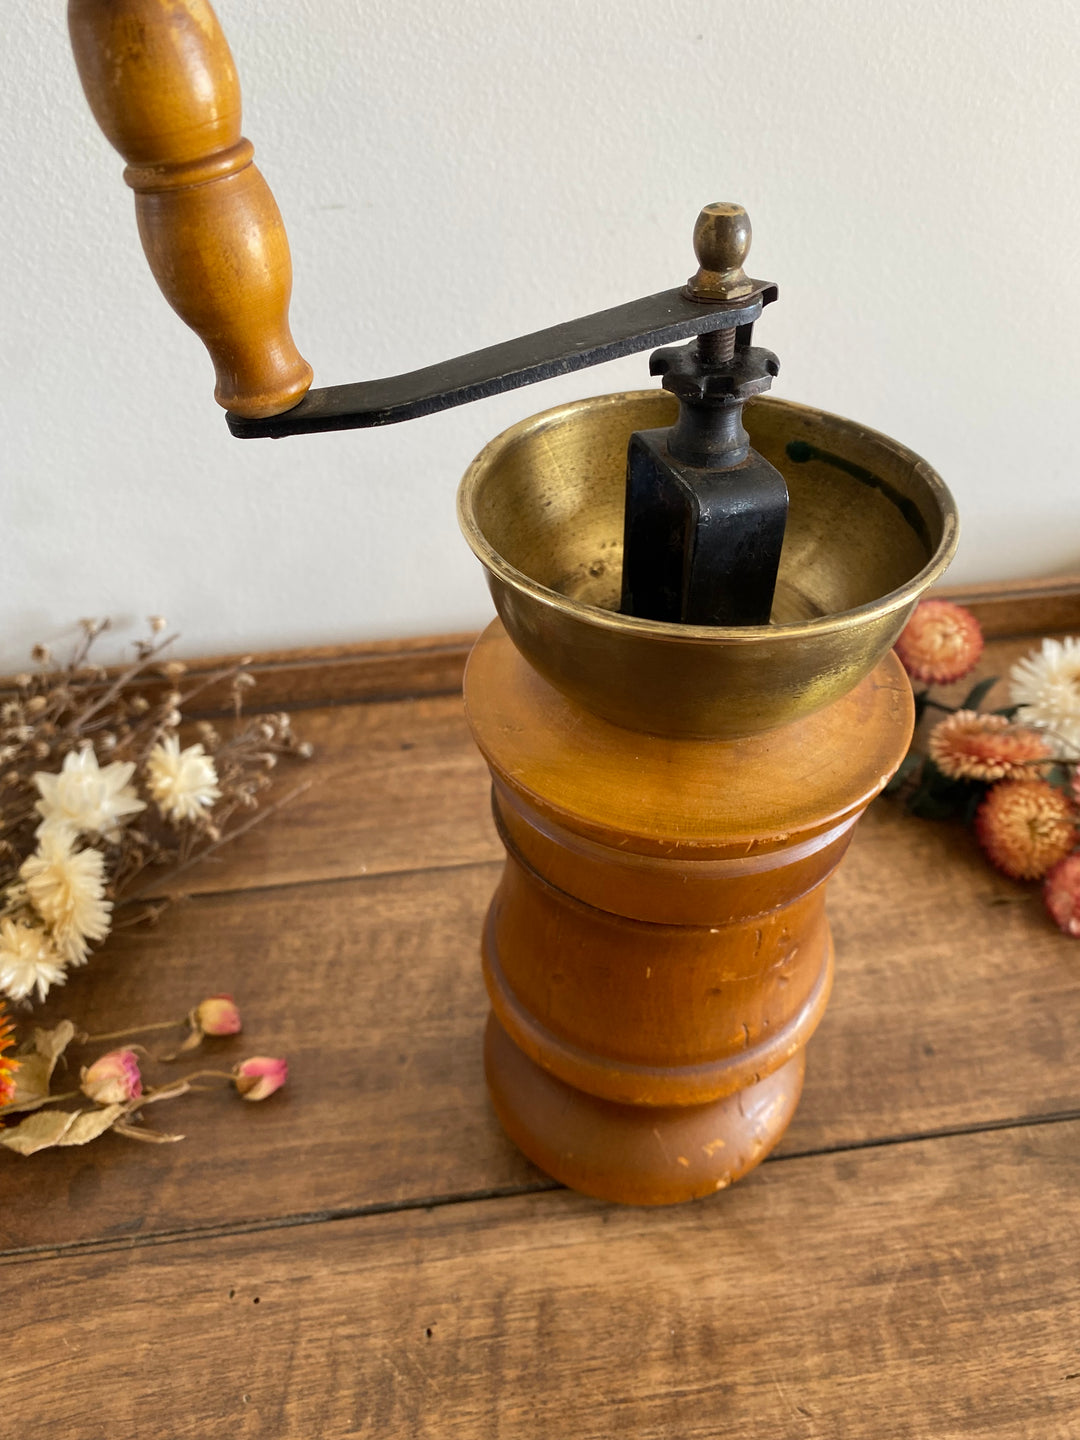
x=454, y=172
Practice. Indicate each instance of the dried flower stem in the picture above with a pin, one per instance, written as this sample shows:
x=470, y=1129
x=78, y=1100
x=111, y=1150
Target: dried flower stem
x=98, y=759
x=149, y=889
x=85, y=1039
x=124, y=679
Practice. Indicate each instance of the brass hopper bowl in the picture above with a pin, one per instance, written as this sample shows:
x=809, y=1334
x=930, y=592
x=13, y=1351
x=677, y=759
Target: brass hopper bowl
x=870, y=527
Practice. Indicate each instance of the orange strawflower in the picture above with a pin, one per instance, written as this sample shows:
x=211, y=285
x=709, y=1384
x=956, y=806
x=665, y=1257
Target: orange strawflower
x=1061, y=891
x=940, y=643
x=970, y=746
x=8, y=1064
x=1026, y=827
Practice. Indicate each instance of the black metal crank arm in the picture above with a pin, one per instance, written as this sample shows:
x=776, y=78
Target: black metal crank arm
x=641, y=325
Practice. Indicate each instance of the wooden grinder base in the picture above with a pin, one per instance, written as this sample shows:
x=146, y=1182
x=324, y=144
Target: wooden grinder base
x=657, y=954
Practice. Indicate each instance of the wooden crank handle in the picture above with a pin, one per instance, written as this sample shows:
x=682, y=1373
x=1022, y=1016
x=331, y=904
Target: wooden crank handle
x=163, y=87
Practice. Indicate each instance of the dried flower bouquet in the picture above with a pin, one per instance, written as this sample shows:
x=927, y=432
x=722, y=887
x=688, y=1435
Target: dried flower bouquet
x=1012, y=773
x=102, y=807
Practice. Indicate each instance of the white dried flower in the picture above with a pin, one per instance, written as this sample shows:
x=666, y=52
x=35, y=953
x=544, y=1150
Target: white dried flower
x=183, y=783
x=27, y=961
x=84, y=799
x=67, y=889
x=1046, y=687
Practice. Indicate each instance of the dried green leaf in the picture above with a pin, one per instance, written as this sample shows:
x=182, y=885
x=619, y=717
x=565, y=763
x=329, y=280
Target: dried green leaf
x=89, y=1124
x=36, y=1065
x=31, y=1083
x=905, y=771
x=51, y=1044
x=975, y=696
x=39, y=1132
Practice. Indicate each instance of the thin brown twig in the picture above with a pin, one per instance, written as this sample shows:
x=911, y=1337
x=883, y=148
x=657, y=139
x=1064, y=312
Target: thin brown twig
x=126, y=676
x=256, y=819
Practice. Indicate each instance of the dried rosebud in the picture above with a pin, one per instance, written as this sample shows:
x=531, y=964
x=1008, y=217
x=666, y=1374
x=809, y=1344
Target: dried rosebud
x=42, y=654
x=112, y=1079
x=158, y=623
x=217, y=1015
x=36, y=704
x=259, y=1077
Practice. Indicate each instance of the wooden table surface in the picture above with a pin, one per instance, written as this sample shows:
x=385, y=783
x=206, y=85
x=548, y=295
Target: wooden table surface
x=366, y=1255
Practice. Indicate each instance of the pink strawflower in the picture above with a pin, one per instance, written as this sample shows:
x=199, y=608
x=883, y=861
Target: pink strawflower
x=112, y=1079
x=1061, y=891
x=259, y=1077
x=940, y=643
x=1026, y=827
x=217, y=1015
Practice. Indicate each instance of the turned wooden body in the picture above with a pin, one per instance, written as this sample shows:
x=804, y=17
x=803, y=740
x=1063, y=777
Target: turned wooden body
x=163, y=87
x=658, y=954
